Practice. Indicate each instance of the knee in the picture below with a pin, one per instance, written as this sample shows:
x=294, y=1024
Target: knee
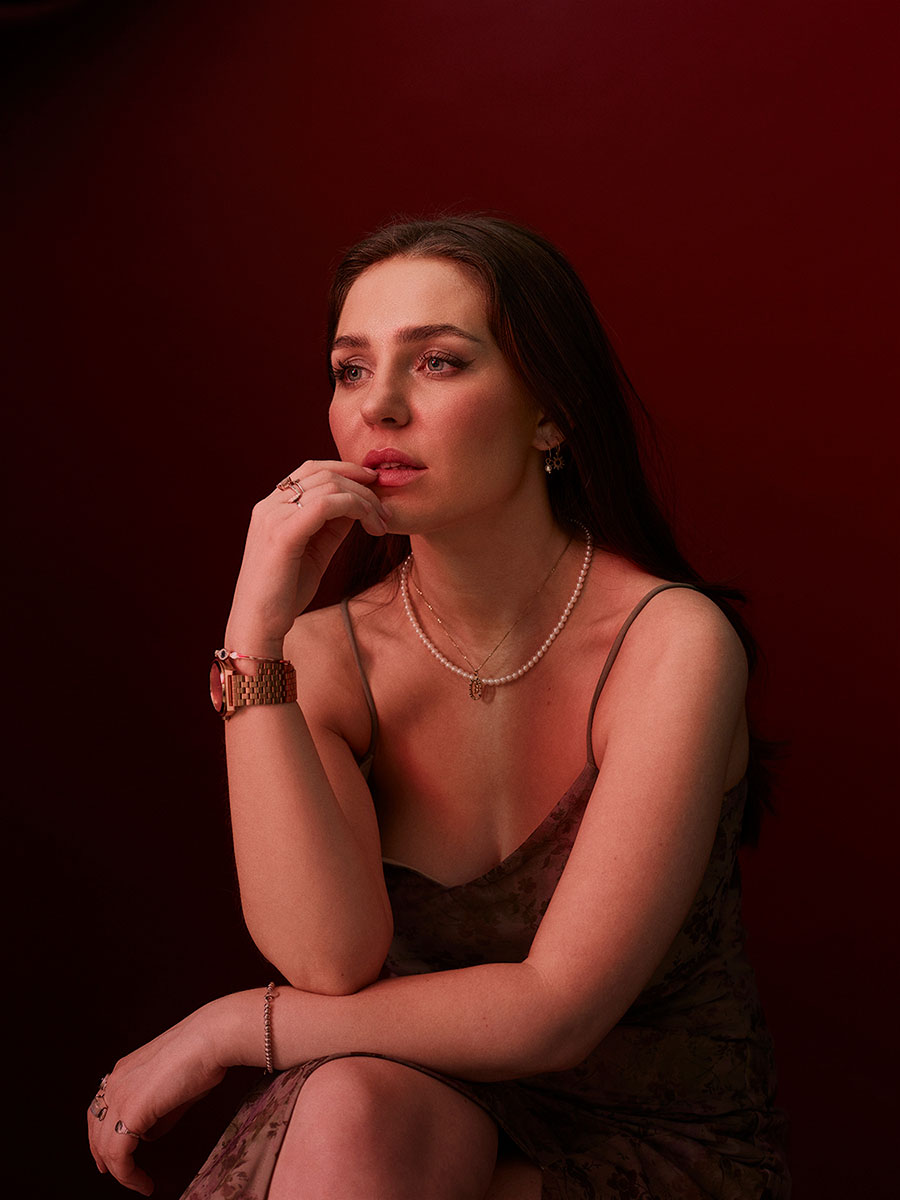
x=356, y=1103
x=370, y=1127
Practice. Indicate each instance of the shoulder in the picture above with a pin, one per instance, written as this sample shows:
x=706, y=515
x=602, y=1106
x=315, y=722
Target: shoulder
x=688, y=621
x=660, y=615
x=677, y=620
x=678, y=641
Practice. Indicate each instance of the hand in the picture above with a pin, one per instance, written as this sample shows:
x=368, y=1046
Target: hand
x=148, y=1091
x=289, y=545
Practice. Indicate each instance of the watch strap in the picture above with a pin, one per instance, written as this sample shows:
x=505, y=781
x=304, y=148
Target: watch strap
x=273, y=683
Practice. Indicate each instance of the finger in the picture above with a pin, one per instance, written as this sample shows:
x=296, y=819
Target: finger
x=326, y=504
x=331, y=481
x=95, y=1128
x=95, y=1154
x=348, y=470
x=120, y=1163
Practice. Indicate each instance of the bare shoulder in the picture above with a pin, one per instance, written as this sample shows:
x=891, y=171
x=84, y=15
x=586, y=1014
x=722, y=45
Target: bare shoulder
x=679, y=635
x=681, y=621
x=676, y=628
x=677, y=689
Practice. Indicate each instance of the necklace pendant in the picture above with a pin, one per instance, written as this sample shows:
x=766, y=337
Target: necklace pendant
x=475, y=688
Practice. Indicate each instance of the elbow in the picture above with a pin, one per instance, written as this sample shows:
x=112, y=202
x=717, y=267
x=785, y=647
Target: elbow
x=571, y=1041
x=329, y=980
x=328, y=962
x=571, y=1023
x=543, y=1051
x=566, y=1033
x=332, y=970
x=545, y=1046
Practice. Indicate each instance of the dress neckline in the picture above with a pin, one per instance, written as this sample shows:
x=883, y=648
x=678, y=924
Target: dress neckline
x=590, y=771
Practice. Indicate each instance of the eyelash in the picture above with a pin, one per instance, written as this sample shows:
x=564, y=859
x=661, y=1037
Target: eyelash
x=341, y=367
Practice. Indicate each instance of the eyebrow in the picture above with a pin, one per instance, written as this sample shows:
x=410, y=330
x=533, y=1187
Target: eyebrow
x=412, y=333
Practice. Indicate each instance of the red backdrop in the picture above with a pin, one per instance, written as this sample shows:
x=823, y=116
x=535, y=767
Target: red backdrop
x=178, y=178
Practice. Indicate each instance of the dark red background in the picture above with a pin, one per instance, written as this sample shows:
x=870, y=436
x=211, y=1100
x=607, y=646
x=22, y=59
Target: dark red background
x=177, y=178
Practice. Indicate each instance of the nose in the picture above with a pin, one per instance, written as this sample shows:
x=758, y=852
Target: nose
x=385, y=403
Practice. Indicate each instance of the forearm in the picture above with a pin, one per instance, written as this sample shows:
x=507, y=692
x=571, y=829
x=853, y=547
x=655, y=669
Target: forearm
x=312, y=898
x=497, y=1021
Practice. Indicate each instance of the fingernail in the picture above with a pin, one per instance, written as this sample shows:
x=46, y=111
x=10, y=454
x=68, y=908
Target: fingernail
x=385, y=512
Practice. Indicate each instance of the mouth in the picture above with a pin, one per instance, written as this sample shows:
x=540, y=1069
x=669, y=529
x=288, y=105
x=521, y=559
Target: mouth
x=390, y=459
x=393, y=466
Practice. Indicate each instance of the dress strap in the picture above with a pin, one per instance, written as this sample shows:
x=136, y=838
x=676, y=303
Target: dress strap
x=614, y=650
x=366, y=762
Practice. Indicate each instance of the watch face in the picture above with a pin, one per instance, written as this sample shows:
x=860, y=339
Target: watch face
x=216, y=684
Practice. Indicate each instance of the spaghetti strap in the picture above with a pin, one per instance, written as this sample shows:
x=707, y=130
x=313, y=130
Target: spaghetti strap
x=366, y=761
x=614, y=650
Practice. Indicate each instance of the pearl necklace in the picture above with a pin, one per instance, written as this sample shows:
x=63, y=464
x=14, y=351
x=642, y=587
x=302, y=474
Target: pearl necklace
x=521, y=617
x=476, y=683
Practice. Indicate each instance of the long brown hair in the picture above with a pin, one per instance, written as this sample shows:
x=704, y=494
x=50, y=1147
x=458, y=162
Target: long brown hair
x=544, y=322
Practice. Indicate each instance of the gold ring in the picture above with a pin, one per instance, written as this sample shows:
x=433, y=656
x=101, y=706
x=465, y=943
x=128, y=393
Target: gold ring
x=294, y=484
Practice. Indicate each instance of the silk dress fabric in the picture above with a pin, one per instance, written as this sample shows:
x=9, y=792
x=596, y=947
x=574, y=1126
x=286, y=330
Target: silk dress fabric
x=675, y=1103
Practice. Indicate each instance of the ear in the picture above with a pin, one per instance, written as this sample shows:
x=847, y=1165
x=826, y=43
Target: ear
x=547, y=435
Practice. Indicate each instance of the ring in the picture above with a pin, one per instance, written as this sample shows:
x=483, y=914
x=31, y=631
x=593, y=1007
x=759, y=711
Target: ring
x=99, y=1107
x=294, y=484
x=121, y=1127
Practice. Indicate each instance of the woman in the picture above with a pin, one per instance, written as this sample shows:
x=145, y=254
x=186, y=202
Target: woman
x=479, y=1003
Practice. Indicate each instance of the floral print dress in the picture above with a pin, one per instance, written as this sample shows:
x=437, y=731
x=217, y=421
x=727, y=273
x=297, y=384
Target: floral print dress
x=675, y=1103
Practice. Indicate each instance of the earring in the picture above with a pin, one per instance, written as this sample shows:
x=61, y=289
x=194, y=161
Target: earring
x=553, y=459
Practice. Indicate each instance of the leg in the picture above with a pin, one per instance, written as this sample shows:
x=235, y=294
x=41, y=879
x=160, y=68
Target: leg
x=368, y=1129
x=515, y=1178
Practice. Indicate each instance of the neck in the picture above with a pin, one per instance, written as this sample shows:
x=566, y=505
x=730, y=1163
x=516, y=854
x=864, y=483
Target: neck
x=479, y=579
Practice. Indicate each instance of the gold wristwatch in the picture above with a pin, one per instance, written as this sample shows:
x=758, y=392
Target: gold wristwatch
x=229, y=690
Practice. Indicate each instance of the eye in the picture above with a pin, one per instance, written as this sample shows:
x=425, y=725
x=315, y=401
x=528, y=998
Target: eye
x=440, y=364
x=348, y=373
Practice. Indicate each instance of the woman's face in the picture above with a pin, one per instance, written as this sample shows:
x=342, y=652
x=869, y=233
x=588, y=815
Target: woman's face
x=423, y=393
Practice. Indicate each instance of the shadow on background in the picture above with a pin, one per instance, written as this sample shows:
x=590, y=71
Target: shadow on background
x=177, y=180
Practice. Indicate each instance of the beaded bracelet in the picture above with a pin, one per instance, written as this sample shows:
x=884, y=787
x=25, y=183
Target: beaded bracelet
x=267, y=1026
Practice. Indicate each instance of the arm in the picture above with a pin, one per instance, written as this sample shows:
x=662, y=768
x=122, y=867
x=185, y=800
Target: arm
x=306, y=840
x=673, y=714
x=305, y=836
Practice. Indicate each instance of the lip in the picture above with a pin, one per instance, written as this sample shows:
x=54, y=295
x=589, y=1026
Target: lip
x=395, y=477
x=375, y=458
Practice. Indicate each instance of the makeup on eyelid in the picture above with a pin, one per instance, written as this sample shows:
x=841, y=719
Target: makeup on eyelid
x=417, y=367
x=342, y=369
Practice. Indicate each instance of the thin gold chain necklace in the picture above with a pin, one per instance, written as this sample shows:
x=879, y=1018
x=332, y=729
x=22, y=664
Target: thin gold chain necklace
x=527, y=609
x=476, y=683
